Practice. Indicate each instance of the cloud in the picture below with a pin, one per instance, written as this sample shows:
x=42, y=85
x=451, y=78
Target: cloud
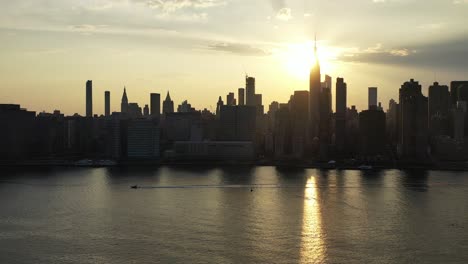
x=450, y=53
x=239, y=48
x=282, y=11
x=174, y=5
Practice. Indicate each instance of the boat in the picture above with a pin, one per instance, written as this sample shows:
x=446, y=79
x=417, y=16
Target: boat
x=365, y=167
x=134, y=186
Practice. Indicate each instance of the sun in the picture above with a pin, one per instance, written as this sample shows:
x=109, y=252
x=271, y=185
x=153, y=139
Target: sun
x=298, y=58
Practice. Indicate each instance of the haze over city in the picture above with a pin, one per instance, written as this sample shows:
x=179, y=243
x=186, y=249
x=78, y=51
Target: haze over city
x=207, y=46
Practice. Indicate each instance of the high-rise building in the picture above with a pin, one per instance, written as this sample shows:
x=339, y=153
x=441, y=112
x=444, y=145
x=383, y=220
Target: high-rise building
x=237, y=123
x=107, y=103
x=439, y=105
x=459, y=120
x=300, y=116
x=168, y=105
x=219, y=104
x=372, y=97
x=241, y=96
x=315, y=86
x=155, y=104
x=250, y=90
x=89, y=98
x=455, y=86
x=185, y=107
x=124, y=103
x=143, y=139
x=146, y=111
x=392, y=122
x=230, y=100
x=259, y=104
x=340, y=117
x=134, y=110
x=327, y=84
x=413, y=122
x=372, y=132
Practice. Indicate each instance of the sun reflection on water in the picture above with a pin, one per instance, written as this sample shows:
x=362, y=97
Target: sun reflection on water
x=312, y=246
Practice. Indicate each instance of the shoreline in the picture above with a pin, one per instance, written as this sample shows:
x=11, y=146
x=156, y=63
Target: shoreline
x=444, y=166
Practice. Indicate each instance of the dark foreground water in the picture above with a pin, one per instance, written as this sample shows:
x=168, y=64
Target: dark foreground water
x=195, y=215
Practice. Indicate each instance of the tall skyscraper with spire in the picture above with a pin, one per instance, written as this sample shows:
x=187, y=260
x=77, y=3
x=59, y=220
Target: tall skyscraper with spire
x=168, y=104
x=124, y=104
x=315, y=86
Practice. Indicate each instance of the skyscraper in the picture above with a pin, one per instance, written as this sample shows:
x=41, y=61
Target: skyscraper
x=250, y=90
x=146, y=111
x=315, y=86
x=413, y=122
x=439, y=105
x=124, y=103
x=168, y=104
x=230, y=100
x=241, y=96
x=372, y=97
x=455, y=86
x=155, y=104
x=219, y=105
x=89, y=98
x=340, y=118
x=300, y=116
x=107, y=103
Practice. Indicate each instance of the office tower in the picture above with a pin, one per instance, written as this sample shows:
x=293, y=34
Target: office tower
x=392, y=122
x=459, y=120
x=89, y=98
x=146, y=111
x=283, y=132
x=352, y=131
x=237, y=123
x=372, y=132
x=134, y=110
x=439, y=105
x=314, y=96
x=259, y=104
x=155, y=104
x=340, y=117
x=327, y=84
x=142, y=139
x=250, y=90
x=124, y=103
x=300, y=117
x=230, y=100
x=168, y=105
x=107, y=103
x=241, y=96
x=455, y=86
x=413, y=122
x=372, y=97
x=218, y=106
x=16, y=132
x=185, y=107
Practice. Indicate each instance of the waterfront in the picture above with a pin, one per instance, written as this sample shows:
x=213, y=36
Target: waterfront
x=232, y=215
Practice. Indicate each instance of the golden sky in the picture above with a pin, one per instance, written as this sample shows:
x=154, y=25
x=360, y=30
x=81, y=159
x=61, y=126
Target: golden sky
x=201, y=49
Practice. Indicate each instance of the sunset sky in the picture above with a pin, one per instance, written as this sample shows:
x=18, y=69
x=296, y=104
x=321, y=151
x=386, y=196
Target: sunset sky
x=201, y=49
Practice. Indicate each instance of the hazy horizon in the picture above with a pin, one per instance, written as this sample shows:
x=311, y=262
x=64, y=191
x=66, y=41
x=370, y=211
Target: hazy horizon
x=191, y=47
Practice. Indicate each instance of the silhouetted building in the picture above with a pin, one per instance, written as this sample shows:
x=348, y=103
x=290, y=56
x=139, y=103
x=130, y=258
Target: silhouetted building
x=340, y=117
x=214, y=151
x=185, y=126
x=352, y=131
x=250, y=91
x=372, y=97
x=392, y=123
x=185, y=107
x=107, y=103
x=230, y=100
x=439, y=105
x=372, y=132
x=124, y=103
x=327, y=84
x=315, y=86
x=89, y=98
x=413, y=122
x=219, y=104
x=142, y=139
x=168, y=105
x=259, y=104
x=458, y=90
x=155, y=104
x=459, y=120
x=146, y=110
x=300, y=117
x=16, y=132
x=237, y=123
x=241, y=96
x=134, y=110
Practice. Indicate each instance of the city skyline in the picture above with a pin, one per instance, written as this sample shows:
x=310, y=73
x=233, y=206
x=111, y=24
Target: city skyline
x=188, y=47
